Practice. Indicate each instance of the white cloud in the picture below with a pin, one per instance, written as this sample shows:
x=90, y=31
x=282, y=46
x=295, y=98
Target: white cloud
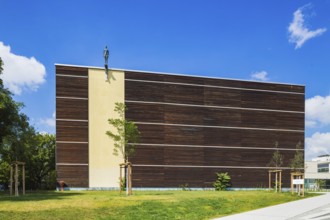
x=317, y=111
x=317, y=144
x=299, y=33
x=261, y=76
x=20, y=72
x=50, y=122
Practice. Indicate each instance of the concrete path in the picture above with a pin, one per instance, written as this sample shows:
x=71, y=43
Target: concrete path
x=315, y=208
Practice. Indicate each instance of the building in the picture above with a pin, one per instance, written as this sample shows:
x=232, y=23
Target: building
x=318, y=169
x=191, y=127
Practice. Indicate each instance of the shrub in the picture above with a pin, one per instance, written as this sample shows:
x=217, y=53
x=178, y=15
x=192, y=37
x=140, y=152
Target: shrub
x=222, y=182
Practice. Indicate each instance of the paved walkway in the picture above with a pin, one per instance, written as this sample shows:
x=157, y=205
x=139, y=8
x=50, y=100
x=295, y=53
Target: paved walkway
x=315, y=208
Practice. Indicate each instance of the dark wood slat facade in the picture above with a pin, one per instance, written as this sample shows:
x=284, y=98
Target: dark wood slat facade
x=72, y=125
x=191, y=125
x=191, y=128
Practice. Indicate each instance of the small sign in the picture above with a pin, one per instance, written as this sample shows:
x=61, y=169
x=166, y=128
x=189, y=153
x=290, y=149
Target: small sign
x=298, y=181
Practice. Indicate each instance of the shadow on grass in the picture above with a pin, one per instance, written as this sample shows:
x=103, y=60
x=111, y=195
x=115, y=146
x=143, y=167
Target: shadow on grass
x=37, y=196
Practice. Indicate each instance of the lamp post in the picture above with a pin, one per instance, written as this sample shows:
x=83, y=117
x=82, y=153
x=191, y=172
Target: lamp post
x=106, y=57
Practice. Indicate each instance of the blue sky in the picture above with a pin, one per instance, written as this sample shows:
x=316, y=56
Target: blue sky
x=274, y=40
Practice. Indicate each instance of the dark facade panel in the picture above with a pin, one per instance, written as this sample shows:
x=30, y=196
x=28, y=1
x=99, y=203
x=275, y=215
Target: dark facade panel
x=71, y=87
x=72, y=131
x=145, y=112
x=72, y=153
x=183, y=135
x=73, y=176
x=150, y=154
x=183, y=115
x=222, y=97
x=141, y=91
x=184, y=156
x=208, y=156
x=183, y=79
x=151, y=134
x=144, y=76
x=148, y=177
x=72, y=83
x=72, y=109
x=291, y=102
x=70, y=70
x=184, y=94
x=202, y=177
x=247, y=116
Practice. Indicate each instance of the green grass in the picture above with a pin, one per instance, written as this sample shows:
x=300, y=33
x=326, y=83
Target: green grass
x=142, y=205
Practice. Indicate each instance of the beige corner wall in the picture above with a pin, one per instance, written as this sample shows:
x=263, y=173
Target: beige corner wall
x=102, y=96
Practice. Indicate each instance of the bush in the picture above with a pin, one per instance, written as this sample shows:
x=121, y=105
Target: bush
x=222, y=182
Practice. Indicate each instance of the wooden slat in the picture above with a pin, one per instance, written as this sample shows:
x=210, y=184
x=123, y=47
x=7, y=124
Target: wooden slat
x=71, y=153
x=70, y=70
x=72, y=109
x=73, y=176
x=71, y=87
x=71, y=131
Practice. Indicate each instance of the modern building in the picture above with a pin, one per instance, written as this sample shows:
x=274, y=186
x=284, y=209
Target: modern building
x=318, y=169
x=191, y=127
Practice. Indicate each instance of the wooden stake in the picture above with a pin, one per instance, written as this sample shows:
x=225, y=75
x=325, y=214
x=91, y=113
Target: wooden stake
x=16, y=179
x=11, y=180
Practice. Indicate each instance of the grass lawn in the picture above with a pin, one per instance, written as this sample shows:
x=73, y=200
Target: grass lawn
x=142, y=205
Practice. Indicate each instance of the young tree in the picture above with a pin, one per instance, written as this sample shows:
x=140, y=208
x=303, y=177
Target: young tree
x=277, y=158
x=126, y=136
x=297, y=163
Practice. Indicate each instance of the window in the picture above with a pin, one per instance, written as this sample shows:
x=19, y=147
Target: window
x=323, y=168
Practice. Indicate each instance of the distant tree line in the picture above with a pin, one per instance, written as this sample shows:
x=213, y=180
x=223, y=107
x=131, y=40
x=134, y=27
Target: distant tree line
x=20, y=142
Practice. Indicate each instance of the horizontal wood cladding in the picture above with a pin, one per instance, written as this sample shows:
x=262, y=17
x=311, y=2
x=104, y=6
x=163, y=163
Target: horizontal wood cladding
x=207, y=116
x=72, y=153
x=73, y=175
x=222, y=97
x=72, y=131
x=71, y=87
x=201, y=177
x=213, y=82
x=70, y=70
x=151, y=133
x=162, y=134
x=72, y=109
x=141, y=91
x=207, y=156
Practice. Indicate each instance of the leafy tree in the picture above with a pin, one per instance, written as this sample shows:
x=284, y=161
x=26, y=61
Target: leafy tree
x=320, y=184
x=20, y=142
x=222, y=182
x=126, y=135
x=297, y=163
x=277, y=158
x=41, y=165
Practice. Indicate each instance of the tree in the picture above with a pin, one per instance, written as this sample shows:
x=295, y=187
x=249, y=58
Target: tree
x=126, y=136
x=20, y=142
x=41, y=165
x=277, y=158
x=297, y=163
